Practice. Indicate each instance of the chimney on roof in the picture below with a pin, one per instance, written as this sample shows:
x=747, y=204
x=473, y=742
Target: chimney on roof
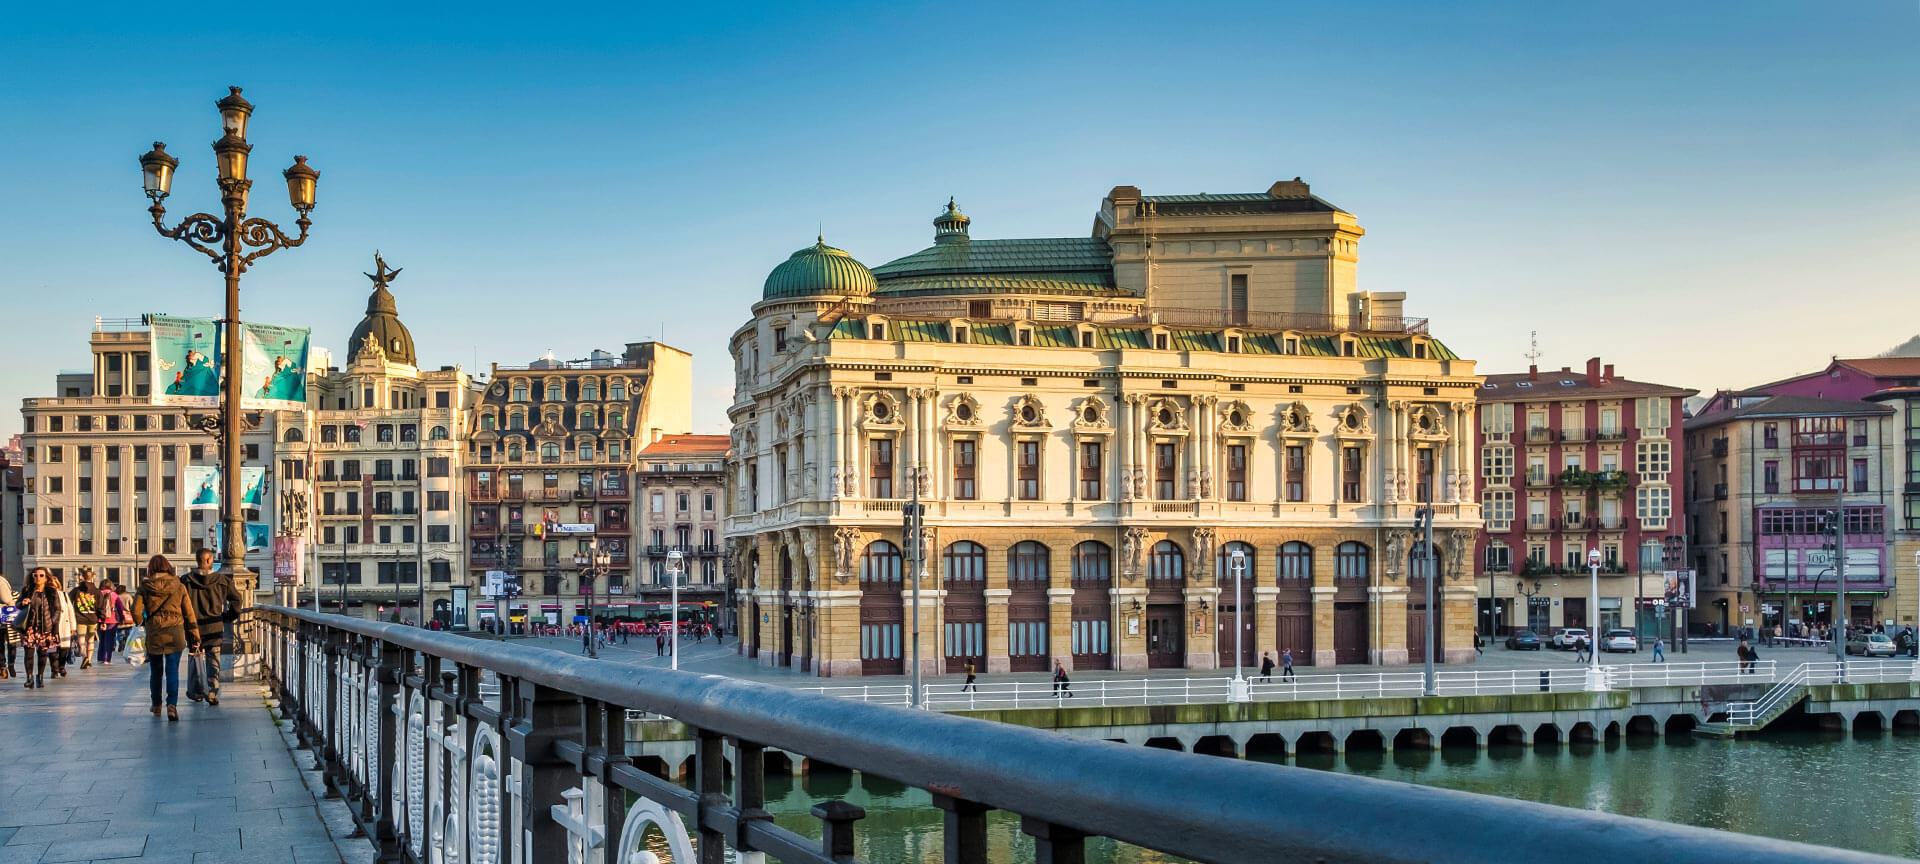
x=1533, y=372
x=1593, y=371
x=1606, y=372
x=1295, y=188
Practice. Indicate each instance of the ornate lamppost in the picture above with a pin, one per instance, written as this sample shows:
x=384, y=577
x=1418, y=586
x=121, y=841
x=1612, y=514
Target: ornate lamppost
x=233, y=242
x=593, y=563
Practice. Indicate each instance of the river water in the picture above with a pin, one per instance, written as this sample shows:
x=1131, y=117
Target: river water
x=1829, y=788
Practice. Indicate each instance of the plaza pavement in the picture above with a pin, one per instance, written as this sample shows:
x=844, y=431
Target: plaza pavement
x=721, y=659
x=87, y=774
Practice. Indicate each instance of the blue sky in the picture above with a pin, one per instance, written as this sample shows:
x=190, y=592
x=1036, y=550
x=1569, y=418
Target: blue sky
x=1706, y=194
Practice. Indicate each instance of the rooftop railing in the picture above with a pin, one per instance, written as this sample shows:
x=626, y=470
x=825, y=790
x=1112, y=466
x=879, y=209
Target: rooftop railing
x=433, y=768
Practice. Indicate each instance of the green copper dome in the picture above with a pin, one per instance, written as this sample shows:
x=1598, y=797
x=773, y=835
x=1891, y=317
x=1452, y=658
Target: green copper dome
x=816, y=271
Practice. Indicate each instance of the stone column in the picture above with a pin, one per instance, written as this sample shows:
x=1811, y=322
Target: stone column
x=1203, y=652
x=1266, y=622
x=1060, y=626
x=1323, y=653
x=1122, y=449
x=1130, y=630
x=849, y=442
x=1390, y=615
x=997, y=659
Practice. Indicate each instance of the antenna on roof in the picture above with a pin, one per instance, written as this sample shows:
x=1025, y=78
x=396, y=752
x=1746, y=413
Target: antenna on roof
x=1533, y=352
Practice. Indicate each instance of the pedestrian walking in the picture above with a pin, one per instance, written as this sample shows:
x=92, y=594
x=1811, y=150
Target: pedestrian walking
x=125, y=633
x=39, y=626
x=660, y=644
x=969, y=686
x=1266, y=666
x=1286, y=665
x=1582, y=650
x=64, y=623
x=219, y=604
x=86, y=617
x=114, y=614
x=165, y=608
x=9, y=615
x=1659, y=650
x=1062, y=688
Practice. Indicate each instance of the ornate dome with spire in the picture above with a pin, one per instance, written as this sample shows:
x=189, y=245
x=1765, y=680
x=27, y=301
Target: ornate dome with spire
x=951, y=225
x=818, y=270
x=382, y=322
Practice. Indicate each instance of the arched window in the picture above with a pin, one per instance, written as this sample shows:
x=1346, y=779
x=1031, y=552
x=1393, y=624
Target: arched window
x=352, y=433
x=556, y=391
x=589, y=392
x=1027, y=563
x=1352, y=560
x=487, y=422
x=294, y=434
x=1169, y=564
x=1248, y=554
x=513, y=451
x=965, y=562
x=1296, y=562
x=613, y=419
x=617, y=391
x=586, y=419
x=517, y=420
x=1092, y=562
x=880, y=563
x=585, y=449
x=550, y=451
x=437, y=433
x=519, y=391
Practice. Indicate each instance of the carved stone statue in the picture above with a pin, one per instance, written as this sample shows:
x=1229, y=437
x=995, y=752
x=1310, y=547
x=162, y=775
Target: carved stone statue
x=1202, y=551
x=1139, y=482
x=1396, y=553
x=1126, y=484
x=846, y=548
x=1205, y=489
x=1193, y=484
x=812, y=482
x=1400, y=484
x=1459, y=545
x=1453, y=488
x=1133, y=548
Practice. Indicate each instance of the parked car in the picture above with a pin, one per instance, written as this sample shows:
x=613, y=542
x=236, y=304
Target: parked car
x=1620, y=639
x=1570, y=638
x=1523, y=640
x=1870, y=645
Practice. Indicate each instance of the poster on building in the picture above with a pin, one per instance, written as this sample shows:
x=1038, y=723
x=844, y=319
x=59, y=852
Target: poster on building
x=460, y=603
x=186, y=361
x=259, y=536
x=289, y=561
x=253, y=483
x=496, y=584
x=202, y=483
x=274, y=367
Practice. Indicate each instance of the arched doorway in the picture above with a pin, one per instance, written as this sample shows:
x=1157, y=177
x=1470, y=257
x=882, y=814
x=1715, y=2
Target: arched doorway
x=1092, y=606
x=1352, y=575
x=754, y=616
x=1166, y=607
x=1418, y=611
x=1236, y=607
x=880, y=611
x=964, y=574
x=1294, y=603
x=1027, y=607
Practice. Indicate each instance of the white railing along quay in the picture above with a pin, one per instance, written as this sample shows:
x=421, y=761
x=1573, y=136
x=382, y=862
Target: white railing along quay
x=1789, y=687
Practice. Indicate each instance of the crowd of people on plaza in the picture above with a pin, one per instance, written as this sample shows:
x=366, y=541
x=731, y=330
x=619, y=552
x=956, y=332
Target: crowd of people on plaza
x=48, y=629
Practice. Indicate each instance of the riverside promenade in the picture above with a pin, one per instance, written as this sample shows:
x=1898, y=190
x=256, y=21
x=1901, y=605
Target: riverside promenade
x=87, y=774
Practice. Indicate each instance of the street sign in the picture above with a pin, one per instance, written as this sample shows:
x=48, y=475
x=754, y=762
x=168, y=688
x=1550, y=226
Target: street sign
x=1745, y=608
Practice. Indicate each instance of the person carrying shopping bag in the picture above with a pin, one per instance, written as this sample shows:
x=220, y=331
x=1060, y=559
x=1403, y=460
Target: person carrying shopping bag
x=166, y=610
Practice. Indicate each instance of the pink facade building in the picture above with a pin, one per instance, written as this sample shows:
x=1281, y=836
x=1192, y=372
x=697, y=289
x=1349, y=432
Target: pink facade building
x=1572, y=461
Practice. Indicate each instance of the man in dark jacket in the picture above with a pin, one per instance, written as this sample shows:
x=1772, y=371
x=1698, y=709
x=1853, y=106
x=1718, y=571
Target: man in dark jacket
x=218, y=603
x=86, y=617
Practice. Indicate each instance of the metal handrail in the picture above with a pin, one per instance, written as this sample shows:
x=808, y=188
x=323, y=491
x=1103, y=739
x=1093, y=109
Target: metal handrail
x=548, y=730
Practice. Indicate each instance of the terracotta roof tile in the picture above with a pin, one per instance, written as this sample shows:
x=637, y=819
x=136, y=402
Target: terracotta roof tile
x=672, y=445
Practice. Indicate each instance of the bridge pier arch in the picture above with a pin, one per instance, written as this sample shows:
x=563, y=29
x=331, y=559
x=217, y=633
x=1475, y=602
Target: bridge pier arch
x=1272, y=745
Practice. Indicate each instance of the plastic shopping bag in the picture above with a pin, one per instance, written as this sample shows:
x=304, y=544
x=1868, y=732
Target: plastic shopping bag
x=137, y=645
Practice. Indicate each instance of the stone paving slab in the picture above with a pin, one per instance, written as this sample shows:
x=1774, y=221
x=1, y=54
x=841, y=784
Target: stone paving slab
x=92, y=776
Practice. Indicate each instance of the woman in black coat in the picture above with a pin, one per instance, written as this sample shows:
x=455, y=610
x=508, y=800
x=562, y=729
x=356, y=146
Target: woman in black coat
x=40, y=626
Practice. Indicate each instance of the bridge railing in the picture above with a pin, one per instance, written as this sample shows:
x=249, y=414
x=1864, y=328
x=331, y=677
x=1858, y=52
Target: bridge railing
x=1682, y=674
x=432, y=770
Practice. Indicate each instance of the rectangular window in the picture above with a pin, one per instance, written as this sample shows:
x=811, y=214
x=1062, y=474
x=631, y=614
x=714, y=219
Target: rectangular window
x=1654, y=458
x=1236, y=472
x=1654, y=505
x=1496, y=463
x=1352, y=477
x=1423, y=478
x=964, y=461
x=1237, y=297
x=1770, y=436
x=1166, y=460
x=1029, y=469
x=1296, y=478
x=880, y=466
x=1497, y=508
x=1859, y=475
x=1770, y=477
x=1090, y=470
x=438, y=502
x=438, y=466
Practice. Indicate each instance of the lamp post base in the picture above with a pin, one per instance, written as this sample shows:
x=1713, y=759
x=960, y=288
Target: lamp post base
x=1239, y=690
x=1597, y=680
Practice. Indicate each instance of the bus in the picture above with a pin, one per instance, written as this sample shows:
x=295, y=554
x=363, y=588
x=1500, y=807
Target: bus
x=692, y=613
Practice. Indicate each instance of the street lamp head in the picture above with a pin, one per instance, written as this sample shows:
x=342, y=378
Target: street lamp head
x=156, y=166
x=234, y=111
x=1593, y=557
x=301, y=180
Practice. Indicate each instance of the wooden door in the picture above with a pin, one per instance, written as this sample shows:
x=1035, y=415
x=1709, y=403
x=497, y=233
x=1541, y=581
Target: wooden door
x=1224, y=623
x=1350, y=632
x=964, y=633
x=1027, y=630
x=1573, y=612
x=1296, y=632
x=1166, y=642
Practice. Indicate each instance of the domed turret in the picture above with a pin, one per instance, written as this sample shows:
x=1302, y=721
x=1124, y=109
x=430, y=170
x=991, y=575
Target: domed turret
x=951, y=226
x=818, y=271
x=382, y=323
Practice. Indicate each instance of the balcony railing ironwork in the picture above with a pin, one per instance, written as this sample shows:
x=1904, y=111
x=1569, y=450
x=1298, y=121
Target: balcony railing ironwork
x=540, y=771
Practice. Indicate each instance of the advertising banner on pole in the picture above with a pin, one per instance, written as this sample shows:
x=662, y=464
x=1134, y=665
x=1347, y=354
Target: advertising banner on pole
x=253, y=482
x=259, y=536
x=274, y=364
x=202, y=483
x=289, y=561
x=186, y=361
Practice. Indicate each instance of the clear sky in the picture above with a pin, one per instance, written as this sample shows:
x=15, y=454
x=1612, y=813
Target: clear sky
x=1706, y=194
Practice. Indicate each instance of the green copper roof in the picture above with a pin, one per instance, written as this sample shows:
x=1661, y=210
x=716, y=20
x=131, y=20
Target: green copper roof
x=1077, y=284
x=1109, y=337
x=818, y=270
x=960, y=265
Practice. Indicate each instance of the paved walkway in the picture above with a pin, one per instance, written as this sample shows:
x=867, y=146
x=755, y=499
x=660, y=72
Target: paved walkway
x=87, y=774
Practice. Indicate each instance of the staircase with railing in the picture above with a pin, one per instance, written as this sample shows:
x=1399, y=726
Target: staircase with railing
x=1788, y=691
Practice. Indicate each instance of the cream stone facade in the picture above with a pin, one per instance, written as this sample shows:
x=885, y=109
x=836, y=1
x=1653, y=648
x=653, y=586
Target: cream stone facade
x=1095, y=426
x=374, y=467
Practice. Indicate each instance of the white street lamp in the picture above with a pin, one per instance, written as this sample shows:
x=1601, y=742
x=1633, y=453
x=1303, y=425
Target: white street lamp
x=676, y=564
x=1237, y=560
x=1595, y=679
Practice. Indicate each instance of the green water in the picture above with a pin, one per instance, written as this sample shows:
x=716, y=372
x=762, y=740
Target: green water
x=1853, y=791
